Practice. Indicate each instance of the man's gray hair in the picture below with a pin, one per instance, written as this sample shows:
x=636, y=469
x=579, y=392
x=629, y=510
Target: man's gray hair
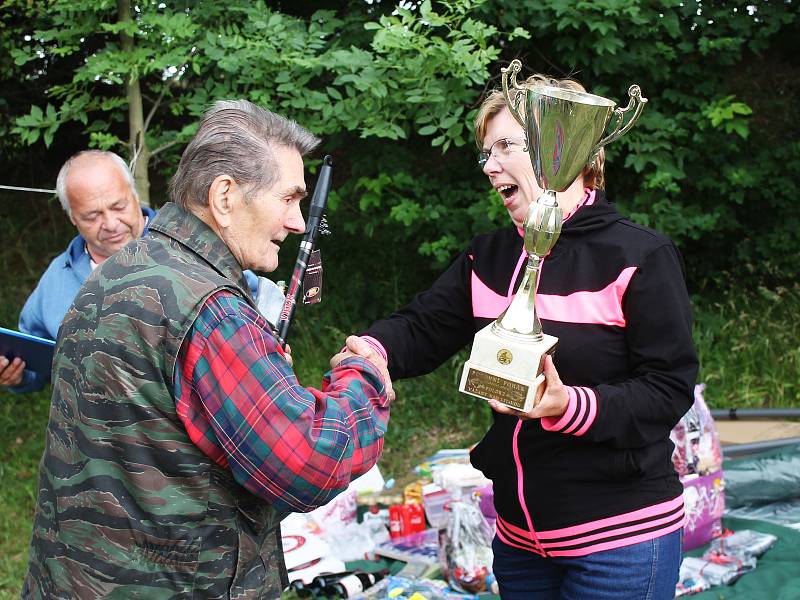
x=235, y=138
x=61, y=182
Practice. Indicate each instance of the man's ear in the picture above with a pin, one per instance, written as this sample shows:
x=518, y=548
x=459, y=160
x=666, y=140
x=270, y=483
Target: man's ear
x=221, y=199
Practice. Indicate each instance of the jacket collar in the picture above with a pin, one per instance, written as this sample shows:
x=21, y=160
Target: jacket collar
x=589, y=198
x=189, y=231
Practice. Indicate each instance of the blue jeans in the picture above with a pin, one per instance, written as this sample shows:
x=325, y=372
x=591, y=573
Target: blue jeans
x=644, y=571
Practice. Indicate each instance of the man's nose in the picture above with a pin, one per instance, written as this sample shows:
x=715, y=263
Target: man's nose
x=109, y=221
x=294, y=220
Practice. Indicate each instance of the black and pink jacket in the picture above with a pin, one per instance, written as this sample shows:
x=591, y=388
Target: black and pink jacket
x=613, y=292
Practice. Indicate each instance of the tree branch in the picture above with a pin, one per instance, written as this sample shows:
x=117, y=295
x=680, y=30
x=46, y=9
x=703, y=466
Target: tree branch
x=169, y=83
x=164, y=147
x=153, y=108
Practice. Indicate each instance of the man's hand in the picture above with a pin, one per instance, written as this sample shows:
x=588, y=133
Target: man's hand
x=287, y=354
x=358, y=347
x=11, y=371
x=551, y=397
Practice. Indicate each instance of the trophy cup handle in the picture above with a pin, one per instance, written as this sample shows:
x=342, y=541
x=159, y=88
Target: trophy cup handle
x=513, y=106
x=636, y=103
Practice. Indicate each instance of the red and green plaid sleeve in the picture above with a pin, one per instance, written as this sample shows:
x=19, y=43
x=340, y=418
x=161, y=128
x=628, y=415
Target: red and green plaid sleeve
x=242, y=405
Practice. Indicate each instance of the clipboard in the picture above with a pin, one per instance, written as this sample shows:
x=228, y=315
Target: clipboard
x=35, y=351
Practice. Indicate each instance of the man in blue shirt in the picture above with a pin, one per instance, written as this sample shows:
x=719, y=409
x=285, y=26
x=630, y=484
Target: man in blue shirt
x=97, y=192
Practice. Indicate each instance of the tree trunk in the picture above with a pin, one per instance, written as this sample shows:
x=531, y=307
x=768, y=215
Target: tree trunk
x=137, y=143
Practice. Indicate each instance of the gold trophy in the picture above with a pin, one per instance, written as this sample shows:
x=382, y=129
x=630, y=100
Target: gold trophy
x=564, y=131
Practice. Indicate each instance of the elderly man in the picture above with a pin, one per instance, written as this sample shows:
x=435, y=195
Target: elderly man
x=97, y=192
x=179, y=435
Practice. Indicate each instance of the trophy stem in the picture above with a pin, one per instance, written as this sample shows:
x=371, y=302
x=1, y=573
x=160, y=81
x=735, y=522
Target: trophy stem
x=519, y=321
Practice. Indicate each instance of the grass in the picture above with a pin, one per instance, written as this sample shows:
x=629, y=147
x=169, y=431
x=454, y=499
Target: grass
x=749, y=342
x=22, y=423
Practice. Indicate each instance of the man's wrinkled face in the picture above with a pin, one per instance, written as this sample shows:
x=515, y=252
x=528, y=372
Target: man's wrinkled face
x=260, y=225
x=103, y=206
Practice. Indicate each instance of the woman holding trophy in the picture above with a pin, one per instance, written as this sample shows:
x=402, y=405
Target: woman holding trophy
x=589, y=505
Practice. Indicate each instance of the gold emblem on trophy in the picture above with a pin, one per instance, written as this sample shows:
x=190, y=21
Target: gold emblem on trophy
x=504, y=357
x=564, y=132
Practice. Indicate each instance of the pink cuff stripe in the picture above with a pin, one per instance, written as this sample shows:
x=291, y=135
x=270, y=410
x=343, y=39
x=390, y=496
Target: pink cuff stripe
x=580, y=414
x=591, y=399
x=560, y=423
x=512, y=530
x=376, y=345
x=516, y=537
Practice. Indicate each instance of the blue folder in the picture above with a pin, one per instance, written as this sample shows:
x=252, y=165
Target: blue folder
x=35, y=351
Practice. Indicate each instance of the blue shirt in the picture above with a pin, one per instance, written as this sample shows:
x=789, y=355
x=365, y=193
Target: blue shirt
x=49, y=302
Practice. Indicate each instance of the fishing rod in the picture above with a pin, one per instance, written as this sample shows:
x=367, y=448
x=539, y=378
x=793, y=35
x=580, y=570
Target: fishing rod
x=314, y=226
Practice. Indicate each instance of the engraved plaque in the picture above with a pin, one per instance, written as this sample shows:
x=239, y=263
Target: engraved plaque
x=491, y=386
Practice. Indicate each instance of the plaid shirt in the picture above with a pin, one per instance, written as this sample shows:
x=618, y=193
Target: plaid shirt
x=242, y=405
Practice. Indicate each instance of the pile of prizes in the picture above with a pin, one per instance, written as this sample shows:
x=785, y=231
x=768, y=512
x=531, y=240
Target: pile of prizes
x=697, y=458
x=435, y=532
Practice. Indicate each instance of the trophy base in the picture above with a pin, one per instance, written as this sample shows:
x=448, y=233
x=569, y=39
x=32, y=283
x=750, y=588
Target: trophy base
x=501, y=369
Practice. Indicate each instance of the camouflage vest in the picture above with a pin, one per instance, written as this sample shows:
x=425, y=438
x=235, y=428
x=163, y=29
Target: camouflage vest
x=128, y=506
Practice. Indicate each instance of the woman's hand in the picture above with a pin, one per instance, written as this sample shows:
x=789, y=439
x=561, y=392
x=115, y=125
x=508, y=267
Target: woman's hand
x=358, y=347
x=551, y=398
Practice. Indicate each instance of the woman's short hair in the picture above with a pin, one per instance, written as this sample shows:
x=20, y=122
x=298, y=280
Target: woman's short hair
x=593, y=173
x=235, y=137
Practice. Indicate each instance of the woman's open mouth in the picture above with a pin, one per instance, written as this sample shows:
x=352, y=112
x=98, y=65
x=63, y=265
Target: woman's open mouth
x=508, y=192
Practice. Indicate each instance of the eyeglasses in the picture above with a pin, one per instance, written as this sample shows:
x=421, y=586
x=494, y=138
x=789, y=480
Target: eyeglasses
x=501, y=150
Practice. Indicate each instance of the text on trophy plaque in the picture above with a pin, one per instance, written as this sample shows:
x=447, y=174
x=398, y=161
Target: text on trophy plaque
x=491, y=386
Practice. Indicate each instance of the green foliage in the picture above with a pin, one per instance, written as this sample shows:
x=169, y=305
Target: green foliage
x=728, y=115
x=711, y=160
x=750, y=347
x=406, y=79
x=708, y=163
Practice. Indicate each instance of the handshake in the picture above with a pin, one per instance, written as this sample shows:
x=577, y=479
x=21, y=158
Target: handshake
x=356, y=346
